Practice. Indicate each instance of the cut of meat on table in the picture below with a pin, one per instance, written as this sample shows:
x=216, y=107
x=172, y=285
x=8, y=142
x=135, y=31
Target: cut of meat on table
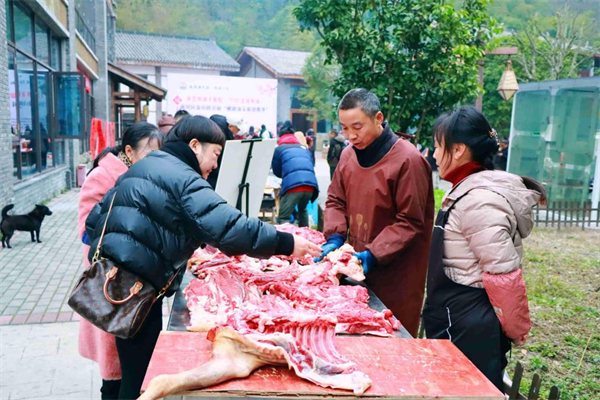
x=348, y=305
x=213, y=298
x=236, y=356
x=309, y=234
x=344, y=263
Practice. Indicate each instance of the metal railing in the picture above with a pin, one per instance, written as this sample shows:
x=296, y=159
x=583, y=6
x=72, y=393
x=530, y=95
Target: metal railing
x=86, y=33
x=564, y=214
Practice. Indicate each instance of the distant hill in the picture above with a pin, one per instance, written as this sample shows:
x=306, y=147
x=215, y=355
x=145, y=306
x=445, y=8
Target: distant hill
x=232, y=23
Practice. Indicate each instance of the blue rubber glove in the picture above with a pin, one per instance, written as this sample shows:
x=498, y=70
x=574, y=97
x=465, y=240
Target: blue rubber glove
x=367, y=259
x=333, y=243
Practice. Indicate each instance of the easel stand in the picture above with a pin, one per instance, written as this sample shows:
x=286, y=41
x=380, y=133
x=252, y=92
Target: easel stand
x=244, y=185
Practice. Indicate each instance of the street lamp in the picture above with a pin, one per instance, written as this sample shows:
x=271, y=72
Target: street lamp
x=508, y=85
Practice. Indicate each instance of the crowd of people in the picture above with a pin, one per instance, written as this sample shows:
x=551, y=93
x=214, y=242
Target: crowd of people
x=161, y=181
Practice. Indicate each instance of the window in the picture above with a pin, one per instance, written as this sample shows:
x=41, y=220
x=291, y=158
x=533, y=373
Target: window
x=23, y=29
x=85, y=16
x=14, y=120
x=42, y=48
x=9, y=22
x=69, y=103
x=55, y=60
x=33, y=60
x=27, y=131
x=43, y=91
x=295, y=98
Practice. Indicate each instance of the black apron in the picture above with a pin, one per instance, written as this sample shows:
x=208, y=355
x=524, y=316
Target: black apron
x=463, y=314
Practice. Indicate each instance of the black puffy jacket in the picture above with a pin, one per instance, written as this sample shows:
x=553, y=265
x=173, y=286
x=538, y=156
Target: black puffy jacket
x=164, y=210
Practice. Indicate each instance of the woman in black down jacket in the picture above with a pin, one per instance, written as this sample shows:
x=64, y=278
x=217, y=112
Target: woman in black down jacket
x=163, y=210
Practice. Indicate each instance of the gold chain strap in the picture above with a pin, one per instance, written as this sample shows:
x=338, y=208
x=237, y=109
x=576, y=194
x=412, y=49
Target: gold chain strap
x=97, y=253
x=164, y=290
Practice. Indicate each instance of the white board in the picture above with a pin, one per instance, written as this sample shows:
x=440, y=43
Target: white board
x=232, y=171
x=254, y=100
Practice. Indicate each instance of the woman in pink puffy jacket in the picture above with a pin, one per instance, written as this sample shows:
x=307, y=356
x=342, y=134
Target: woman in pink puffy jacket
x=138, y=141
x=476, y=295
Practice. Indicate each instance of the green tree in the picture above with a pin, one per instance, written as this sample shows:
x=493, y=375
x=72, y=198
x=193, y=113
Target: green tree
x=552, y=45
x=419, y=56
x=560, y=43
x=319, y=75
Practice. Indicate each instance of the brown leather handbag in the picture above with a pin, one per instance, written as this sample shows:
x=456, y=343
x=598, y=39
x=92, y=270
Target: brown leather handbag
x=112, y=298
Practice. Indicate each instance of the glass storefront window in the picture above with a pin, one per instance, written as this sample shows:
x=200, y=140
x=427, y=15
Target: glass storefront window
x=69, y=93
x=9, y=20
x=35, y=146
x=58, y=155
x=42, y=51
x=14, y=129
x=23, y=29
x=29, y=140
x=55, y=53
x=43, y=83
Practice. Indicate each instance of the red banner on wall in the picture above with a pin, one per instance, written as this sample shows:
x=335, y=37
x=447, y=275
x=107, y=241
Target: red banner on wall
x=109, y=134
x=97, y=138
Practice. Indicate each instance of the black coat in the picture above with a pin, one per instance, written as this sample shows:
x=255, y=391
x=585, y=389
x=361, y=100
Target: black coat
x=164, y=210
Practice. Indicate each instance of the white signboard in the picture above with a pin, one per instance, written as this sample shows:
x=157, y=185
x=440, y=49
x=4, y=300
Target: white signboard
x=232, y=172
x=254, y=100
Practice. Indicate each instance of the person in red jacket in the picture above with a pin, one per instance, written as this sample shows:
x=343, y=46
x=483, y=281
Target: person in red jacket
x=381, y=201
x=476, y=294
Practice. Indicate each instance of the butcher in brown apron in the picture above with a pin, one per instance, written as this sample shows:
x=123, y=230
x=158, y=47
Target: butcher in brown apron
x=381, y=201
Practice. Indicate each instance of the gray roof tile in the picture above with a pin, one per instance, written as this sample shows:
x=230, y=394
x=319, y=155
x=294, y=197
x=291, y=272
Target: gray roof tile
x=283, y=62
x=148, y=48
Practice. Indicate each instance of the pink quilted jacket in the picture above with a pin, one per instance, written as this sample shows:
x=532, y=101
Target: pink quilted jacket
x=95, y=344
x=483, y=242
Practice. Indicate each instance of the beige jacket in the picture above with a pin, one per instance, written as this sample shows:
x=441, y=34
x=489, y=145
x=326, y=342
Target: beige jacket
x=485, y=228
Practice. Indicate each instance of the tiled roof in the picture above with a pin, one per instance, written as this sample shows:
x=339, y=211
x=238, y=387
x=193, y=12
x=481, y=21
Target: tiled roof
x=153, y=49
x=284, y=63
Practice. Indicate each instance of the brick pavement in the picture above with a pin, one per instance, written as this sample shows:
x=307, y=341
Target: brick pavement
x=35, y=278
x=38, y=338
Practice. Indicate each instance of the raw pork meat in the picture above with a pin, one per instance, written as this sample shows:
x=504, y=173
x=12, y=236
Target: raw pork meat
x=251, y=301
x=309, y=234
x=313, y=357
x=344, y=263
x=291, y=308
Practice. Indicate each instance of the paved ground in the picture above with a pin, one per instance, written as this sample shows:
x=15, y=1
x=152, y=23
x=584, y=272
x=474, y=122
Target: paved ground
x=36, y=277
x=38, y=330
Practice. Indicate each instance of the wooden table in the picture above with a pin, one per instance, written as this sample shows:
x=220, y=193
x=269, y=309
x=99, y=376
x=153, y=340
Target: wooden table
x=400, y=367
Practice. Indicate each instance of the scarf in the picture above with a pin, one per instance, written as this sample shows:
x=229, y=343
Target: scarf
x=378, y=149
x=124, y=159
x=183, y=152
x=459, y=173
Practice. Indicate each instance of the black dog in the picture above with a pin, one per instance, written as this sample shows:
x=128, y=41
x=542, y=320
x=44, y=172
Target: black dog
x=31, y=223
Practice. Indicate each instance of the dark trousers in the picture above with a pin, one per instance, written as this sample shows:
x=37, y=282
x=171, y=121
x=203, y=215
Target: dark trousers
x=110, y=389
x=331, y=171
x=135, y=354
x=288, y=203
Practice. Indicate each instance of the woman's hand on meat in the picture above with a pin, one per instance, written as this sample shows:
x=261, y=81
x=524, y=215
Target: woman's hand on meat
x=302, y=247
